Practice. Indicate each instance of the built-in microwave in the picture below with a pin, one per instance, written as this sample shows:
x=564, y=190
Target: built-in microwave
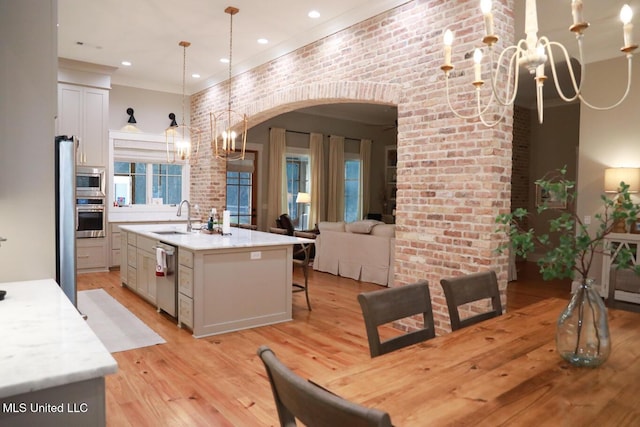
x=90, y=181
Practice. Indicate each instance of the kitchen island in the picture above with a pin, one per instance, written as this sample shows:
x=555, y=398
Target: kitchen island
x=224, y=282
x=53, y=365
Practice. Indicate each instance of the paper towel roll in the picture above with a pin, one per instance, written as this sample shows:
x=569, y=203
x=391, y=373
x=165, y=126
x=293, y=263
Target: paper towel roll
x=226, y=222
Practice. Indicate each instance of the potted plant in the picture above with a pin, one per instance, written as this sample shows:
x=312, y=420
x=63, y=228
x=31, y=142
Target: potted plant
x=567, y=252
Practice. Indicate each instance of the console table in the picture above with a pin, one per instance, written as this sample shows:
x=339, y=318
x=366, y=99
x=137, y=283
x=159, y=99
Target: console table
x=613, y=243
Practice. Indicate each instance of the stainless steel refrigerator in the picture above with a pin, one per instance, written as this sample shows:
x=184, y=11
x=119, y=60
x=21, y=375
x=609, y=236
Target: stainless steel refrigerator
x=65, y=149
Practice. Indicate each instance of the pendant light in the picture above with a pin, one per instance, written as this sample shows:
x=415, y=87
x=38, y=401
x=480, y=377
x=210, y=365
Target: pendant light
x=229, y=127
x=183, y=142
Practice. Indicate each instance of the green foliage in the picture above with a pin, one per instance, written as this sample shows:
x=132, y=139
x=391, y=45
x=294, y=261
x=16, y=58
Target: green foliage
x=571, y=254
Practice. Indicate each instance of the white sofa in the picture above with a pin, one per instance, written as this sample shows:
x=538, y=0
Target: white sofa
x=361, y=250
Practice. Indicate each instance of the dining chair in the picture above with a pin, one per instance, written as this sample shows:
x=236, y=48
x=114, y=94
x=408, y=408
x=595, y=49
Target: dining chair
x=284, y=221
x=252, y=227
x=314, y=406
x=469, y=288
x=303, y=262
x=623, y=279
x=277, y=230
x=387, y=305
x=301, y=259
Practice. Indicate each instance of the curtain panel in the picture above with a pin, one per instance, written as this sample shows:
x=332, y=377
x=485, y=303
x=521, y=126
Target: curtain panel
x=317, y=209
x=335, y=205
x=277, y=186
x=365, y=173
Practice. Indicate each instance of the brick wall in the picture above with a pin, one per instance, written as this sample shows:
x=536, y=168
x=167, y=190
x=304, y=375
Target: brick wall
x=521, y=159
x=454, y=175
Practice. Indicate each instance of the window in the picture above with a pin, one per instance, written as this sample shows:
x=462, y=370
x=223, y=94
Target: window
x=138, y=183
x=351, y=190
x=298, y=172
x=142, y=177
x=239, y=189
x=167, y=183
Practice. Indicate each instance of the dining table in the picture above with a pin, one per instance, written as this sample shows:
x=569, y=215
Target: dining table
x=503, y=371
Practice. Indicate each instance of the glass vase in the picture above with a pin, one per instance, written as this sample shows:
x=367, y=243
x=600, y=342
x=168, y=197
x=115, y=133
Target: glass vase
x=582, y=337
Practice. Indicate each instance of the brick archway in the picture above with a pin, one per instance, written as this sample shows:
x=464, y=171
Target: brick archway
x=294, y=98
x=453, y=175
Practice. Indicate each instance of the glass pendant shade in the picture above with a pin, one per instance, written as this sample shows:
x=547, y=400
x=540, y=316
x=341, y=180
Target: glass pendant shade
x=180, y=145
x=229, y=127
x=229, y=130
x=183, y=141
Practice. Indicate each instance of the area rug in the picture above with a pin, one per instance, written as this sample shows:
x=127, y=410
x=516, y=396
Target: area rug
x=115, y=326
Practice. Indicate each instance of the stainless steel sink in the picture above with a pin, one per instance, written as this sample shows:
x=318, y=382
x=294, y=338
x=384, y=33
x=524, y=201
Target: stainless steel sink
x=168, y=232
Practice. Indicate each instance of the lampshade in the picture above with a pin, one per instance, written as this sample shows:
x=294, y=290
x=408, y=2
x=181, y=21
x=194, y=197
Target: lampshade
x=613, y=177
x=303, y=198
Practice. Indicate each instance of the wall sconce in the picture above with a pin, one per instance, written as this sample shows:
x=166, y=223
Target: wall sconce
x=130, y=126
x=132, y=120
x=613, y=177
x=173, y=124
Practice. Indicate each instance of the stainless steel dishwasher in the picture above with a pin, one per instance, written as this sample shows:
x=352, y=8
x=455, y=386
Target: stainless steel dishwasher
x=167, y=285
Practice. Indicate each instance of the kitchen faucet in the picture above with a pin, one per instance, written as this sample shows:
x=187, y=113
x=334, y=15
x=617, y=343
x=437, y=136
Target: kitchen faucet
x=179, y=213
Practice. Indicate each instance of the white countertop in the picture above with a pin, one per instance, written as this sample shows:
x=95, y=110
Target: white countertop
x=197, y=241
x=45, y=341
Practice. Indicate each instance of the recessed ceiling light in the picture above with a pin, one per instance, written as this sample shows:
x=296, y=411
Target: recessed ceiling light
x=263, y=41
x=195, y=75
x=126, y=63
x=224, y=60
x=314, y=14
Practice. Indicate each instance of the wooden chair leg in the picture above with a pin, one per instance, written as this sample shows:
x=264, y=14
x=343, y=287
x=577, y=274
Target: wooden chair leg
x=306, y=286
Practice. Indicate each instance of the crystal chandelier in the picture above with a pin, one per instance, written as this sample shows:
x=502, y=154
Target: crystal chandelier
x=530, y=53
x=183, y=142
x=229, y=127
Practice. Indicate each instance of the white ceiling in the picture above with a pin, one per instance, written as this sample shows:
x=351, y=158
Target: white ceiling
x=147, y=32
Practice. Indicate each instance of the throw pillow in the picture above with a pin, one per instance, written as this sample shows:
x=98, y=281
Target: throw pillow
x=384, y=230
x=362, y=227
x=330, y=226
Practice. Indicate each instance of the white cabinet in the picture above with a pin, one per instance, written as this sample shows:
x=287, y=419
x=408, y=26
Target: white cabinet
x=146, y=275
x=91, y=255
x=84, y=112
x=123, y=236
x=613, y=243
x=138, y=265
x=116, y=245
x=185, y=288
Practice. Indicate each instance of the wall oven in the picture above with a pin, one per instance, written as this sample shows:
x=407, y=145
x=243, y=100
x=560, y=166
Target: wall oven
x=90, y=217
x=90, y=181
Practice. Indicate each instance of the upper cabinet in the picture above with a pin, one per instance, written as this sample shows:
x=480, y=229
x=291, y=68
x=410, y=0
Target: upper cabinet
x=84, y=112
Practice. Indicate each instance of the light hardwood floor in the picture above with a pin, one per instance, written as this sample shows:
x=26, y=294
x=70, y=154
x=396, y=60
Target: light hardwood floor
x=219, y=380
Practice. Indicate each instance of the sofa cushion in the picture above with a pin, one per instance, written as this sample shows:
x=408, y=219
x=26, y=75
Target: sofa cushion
x=362, y=227
x=331, y=226
x=384, y=230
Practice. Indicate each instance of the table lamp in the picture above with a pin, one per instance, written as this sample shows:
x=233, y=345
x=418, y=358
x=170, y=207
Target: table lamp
x=612, y=179
x=303, y=199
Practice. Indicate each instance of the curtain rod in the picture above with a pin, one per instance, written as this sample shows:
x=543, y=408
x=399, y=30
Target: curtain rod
x=309, y=133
